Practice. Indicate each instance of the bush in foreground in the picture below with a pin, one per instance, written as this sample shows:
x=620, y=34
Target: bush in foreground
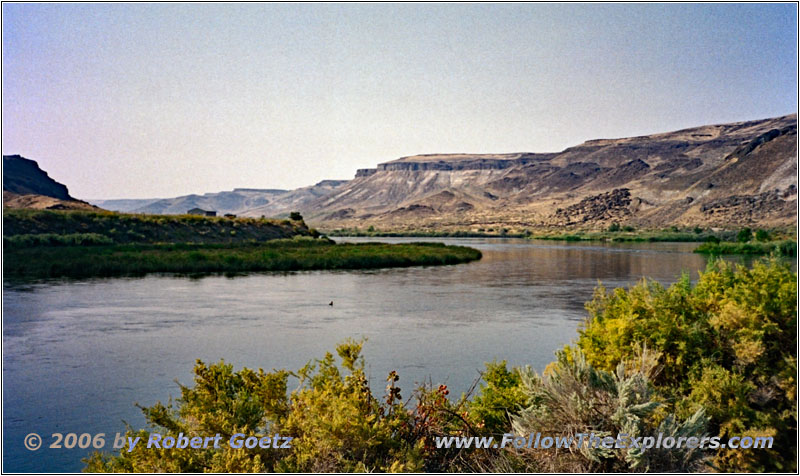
x=573, y=398
x=336, y=423
x=728, y=345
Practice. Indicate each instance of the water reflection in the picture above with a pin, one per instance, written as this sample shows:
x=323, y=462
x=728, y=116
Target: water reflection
x=78, y=354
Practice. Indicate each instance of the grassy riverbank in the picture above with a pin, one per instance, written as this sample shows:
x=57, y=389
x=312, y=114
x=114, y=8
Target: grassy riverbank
x=612, y=234
x=780, y=248
x=723, y=242
x=427, y=233
x=277, y=255
x=635, y=236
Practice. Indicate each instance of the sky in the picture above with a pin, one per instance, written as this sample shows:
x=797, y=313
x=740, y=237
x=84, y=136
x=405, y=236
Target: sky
x=161, y=100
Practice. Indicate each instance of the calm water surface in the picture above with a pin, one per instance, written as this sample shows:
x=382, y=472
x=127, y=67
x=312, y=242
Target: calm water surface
x=77, y=355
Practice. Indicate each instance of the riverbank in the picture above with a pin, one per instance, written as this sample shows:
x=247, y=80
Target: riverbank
x=278, y=255
x=780, y=248
x=556, y=235
x=355, y=232
x=714, y=242
x=636, y=236
x=622, y=234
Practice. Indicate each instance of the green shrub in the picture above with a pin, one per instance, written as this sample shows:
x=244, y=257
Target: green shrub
x=780, y=248
x=787, y=248
x=501, y=395
x=571, y=237
x=221, y=401
x=726, y=344
x=53, y=239
x=335, y=422
x=339, y=426
x=744, y=235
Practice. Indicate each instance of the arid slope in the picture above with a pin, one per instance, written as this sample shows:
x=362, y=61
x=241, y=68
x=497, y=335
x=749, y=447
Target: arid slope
x=725, y=175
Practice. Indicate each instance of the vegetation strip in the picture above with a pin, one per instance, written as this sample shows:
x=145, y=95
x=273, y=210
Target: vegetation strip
x=781, y=248
x=503, y=233
x=276, y=255
x=140, y=228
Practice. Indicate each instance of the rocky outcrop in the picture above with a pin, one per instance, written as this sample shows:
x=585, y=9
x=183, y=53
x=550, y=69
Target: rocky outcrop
x=341, y=214
x=23, y=176
x=609, y=206
x=772, y=134
x=365, y=172
x=451, y=162
x=26, y=185
x=752, y=209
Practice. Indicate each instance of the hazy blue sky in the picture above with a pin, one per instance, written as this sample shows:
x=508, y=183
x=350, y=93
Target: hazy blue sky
x=137, y=100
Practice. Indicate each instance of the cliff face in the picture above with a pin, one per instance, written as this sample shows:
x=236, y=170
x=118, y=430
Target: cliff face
x=24, y=177
x=726, y=175
x=25, y=185
x=365, y=172
x=462, y=162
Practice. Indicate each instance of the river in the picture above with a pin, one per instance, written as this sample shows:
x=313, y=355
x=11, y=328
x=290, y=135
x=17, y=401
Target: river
x=77, y=355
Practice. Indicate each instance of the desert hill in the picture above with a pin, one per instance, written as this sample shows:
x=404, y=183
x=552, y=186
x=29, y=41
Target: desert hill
x=234, y=201
x=250, y=201
x=725, y=175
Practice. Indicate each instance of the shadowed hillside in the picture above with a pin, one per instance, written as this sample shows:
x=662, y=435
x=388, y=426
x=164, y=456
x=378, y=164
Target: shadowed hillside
x=25, y=185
